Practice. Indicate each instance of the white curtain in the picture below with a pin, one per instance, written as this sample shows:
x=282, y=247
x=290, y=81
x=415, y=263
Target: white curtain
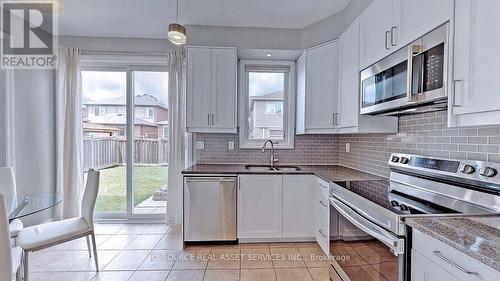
x=68, y=132
x=177, y=133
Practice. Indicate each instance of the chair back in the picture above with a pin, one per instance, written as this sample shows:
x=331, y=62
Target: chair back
x=8, y=188
x=5, y=243
x=90, y=196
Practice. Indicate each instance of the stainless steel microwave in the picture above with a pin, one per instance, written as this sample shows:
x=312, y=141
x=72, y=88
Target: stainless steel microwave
x=412, y=76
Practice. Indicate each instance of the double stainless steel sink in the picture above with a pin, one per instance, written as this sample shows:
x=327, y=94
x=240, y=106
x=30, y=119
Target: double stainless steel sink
x=274, y=168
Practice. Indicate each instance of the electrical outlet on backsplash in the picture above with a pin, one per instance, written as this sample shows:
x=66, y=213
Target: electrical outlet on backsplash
x=425, y=134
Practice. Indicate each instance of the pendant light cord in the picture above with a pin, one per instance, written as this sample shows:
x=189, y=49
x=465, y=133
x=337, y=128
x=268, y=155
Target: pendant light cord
x=177, y=16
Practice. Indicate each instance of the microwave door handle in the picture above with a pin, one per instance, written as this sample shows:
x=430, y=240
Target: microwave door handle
x=394, y=243
x=409, y=73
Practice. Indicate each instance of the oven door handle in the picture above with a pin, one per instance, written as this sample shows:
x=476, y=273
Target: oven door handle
x=395, y=243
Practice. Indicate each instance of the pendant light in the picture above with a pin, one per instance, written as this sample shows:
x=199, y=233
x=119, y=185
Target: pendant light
x=177, y=32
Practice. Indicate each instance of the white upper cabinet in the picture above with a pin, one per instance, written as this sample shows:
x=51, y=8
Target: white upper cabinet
x=224, y=65
x=375, y=23
x=211, y=89
x=348, y=119
x=476, y=70
x=317, y=89
x=349, y=77
x=199, y=87
x=413, y=19
x=388, y=25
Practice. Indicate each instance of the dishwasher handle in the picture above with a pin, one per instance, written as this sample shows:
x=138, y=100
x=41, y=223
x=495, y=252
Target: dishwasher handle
x=210, y=179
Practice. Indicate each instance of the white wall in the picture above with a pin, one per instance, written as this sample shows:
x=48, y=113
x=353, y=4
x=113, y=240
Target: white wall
x=117, y=44
x=333, y=26
x=275, y=38
x=34, y=134
x=244, y=37
x=3, y=111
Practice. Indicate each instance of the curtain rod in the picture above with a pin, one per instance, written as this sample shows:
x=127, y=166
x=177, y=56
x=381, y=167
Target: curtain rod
x=90, y=51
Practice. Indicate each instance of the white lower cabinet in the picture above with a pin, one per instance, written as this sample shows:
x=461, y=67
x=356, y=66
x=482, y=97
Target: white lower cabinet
x=276, y=207
x=298, y=191
x=437, y=261
x=426, y=270
x=322, y=215
x=260, y=206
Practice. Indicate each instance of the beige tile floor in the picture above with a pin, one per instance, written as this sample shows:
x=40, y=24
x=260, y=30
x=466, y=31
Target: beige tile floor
x=152, y=252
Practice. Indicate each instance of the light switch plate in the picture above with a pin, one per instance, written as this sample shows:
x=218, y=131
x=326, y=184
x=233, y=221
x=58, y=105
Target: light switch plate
x=230, y=145
x=200, y=145
x=347, y=147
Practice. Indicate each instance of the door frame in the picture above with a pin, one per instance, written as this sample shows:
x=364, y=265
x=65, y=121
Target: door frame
x=113, y=63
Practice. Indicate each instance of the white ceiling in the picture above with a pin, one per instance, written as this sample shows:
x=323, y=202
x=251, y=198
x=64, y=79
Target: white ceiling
x=150, y=18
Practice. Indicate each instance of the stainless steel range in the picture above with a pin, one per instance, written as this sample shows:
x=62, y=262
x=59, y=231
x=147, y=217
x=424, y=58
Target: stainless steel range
x=369, y=239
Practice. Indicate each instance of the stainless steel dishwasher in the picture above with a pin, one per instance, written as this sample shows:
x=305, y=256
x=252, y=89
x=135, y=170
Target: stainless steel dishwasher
x=210, y=209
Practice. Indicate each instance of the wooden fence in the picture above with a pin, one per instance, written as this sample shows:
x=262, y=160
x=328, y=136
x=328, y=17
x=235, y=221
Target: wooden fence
x=106, y=152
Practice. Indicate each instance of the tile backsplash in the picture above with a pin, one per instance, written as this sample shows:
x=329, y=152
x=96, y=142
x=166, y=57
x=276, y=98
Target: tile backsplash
x=309, y=149
x=424, y=134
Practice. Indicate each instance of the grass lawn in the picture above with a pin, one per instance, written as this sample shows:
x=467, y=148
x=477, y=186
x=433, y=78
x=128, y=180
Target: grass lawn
x=113, y=192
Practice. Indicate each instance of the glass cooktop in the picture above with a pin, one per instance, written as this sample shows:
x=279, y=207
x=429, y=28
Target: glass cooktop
x=380, y=193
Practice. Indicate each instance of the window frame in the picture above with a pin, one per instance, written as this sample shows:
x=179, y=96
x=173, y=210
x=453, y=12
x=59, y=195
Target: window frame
x=273, y=106
x=288, y=110
x=120, y=65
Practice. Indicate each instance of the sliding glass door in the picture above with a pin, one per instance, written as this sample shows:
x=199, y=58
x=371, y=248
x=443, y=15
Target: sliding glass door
x=125, y=113
x=151, y=145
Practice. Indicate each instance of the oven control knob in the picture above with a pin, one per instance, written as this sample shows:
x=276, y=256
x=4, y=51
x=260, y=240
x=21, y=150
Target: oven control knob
x=487, y=172
x=395, y=159
x=467, y=169
x=395, y=203
x=404, y=160
x=404, y=208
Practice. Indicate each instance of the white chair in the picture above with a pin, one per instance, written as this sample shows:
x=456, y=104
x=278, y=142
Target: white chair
x=10, y=258
x=35, y=238
x=8, y=187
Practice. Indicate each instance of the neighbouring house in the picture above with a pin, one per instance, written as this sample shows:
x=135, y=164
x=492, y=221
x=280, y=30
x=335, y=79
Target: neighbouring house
x=266, y=116
x=108, y=117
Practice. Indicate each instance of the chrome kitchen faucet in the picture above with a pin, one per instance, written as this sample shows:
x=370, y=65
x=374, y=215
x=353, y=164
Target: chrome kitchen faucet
x=273, y=160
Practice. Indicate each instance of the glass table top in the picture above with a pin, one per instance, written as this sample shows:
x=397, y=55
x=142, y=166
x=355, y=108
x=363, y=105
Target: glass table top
x=35, y=203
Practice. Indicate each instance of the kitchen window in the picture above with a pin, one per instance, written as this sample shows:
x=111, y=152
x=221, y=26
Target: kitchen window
x=267, y=103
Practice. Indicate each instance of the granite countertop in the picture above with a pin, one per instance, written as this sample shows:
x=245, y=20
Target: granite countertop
x=327, y=172
x=476, y=236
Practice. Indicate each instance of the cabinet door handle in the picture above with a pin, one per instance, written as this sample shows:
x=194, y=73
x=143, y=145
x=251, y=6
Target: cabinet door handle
x=386, y=36
x=439, y=255
x=454, y=101
x=321, y=232
x=323, y=204
x=333, y=119
x=208, y=119
x=392, y=35
x=213, y=118
x=336, y=118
